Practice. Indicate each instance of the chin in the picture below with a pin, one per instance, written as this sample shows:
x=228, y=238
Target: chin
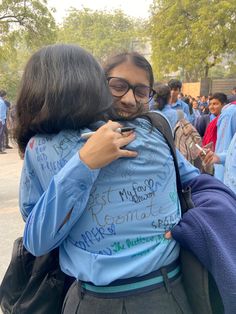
x=124, y=114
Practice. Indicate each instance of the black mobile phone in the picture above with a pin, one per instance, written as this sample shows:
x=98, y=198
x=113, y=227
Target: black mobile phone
x=126, y=129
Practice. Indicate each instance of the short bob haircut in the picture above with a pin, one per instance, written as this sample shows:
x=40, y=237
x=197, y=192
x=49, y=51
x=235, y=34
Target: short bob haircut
x=63, y=87
x=135, y=58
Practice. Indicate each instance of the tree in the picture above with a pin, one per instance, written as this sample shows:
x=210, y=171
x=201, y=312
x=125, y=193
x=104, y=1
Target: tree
x=191, y=36
x=100, y=32
x=25, y=25
x=30, y=18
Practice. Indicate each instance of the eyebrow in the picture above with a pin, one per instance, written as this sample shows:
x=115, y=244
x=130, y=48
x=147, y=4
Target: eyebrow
x=138, y=84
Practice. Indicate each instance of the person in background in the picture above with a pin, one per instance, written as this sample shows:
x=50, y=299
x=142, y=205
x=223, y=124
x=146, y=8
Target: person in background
x=3, y=94
x=232, y=97
x=3, y=117
x=203, y=120
x=175, y=87
x=162, y=104
x=198, y=98
x=217, y=102
x=203, y=101
x=196, y=111
x=226, y=128
x=180, y=96
x=187, y=100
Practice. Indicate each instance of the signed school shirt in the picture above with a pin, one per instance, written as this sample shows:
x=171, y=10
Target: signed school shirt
x=118, y=214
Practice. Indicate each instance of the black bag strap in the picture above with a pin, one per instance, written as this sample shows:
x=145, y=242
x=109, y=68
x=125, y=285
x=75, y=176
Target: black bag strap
x=162, y=125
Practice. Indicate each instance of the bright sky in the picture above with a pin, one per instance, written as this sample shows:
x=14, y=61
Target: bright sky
x=135, y=8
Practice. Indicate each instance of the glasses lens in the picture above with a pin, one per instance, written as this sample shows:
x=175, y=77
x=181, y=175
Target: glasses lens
x=143, y=94
x=118, y=87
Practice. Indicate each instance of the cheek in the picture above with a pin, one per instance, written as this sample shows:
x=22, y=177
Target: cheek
x=116, y=102
x=218, y=109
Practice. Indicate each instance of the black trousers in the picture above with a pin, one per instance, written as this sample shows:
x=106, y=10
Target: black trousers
x=169, y=299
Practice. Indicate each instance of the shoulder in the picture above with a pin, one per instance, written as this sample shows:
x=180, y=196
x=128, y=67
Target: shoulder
x=228, y=112
x=52, y=144
x=182, y=103
x=165, y=114
x=2, y=102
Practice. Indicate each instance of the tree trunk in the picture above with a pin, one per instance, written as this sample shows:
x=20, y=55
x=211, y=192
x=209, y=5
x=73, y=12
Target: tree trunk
x=206, y=70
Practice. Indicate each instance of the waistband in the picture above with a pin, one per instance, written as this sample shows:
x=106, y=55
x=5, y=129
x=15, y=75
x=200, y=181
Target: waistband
x=134, y=285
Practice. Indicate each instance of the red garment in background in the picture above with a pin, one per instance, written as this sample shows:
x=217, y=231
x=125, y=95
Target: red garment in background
x=211, y=133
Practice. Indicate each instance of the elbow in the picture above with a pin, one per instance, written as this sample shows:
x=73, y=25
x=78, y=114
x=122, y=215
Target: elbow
x=35, y=250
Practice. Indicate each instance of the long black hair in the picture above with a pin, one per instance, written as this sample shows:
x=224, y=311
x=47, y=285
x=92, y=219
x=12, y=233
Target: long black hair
x=63, y=87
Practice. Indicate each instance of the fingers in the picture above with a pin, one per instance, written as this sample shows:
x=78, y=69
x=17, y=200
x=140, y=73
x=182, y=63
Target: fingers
x=168, y=235
x=123, y=140
x=207, y=157
x=106, y=145
x=128, y=153
x=112, y=125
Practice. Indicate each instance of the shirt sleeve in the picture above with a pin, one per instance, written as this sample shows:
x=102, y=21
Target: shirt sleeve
x=51, y=214
x=226, y=130
x=186, y=170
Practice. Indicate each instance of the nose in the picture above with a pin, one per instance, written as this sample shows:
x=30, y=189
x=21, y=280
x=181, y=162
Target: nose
x=129, y=100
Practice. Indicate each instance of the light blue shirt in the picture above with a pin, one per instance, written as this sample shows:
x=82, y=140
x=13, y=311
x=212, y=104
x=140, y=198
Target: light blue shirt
x=230, y=166
x=226, y=128
x=180, y=104
x=119, y=214
x=3, y=111
x=172, y=115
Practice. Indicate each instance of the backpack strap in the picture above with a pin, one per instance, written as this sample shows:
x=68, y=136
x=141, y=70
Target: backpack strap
x=162, y=125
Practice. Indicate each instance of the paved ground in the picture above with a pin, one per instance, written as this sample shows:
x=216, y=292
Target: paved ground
x=10, y=220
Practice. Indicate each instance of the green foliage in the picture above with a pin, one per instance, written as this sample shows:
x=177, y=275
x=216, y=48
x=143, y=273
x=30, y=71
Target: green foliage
x=25, y=25
x=102, y=33
x=191, y=35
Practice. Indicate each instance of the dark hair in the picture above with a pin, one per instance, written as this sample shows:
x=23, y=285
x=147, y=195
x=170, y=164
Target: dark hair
x=63, y=87
x=174, y=84
x=133, y=57
x=186, y=100
x=221, y=97
x=162, y=96
x=3, y=93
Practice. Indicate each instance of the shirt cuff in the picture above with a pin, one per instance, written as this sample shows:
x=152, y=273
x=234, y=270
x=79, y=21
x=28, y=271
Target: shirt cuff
x=222, y=157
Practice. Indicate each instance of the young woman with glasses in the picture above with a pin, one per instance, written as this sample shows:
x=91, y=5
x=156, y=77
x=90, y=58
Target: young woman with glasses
x=130, y=80
x=107, y=214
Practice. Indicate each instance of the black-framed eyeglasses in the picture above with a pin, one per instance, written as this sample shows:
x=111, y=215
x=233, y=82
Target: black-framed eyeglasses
x=119, y=87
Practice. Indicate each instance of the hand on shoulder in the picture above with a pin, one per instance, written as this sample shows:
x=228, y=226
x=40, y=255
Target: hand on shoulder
x=106, y=145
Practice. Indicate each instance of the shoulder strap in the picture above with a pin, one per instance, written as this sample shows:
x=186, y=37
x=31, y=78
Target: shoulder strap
x=162, y=125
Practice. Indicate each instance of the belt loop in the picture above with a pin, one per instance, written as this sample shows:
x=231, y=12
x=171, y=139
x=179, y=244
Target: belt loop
x=81, y=289
x=166, y=280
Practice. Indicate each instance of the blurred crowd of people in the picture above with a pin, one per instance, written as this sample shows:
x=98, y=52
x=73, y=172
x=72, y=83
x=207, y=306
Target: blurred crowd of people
x=213, y=117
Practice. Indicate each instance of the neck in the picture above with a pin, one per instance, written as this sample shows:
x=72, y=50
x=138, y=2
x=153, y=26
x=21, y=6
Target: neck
x=173, y=100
